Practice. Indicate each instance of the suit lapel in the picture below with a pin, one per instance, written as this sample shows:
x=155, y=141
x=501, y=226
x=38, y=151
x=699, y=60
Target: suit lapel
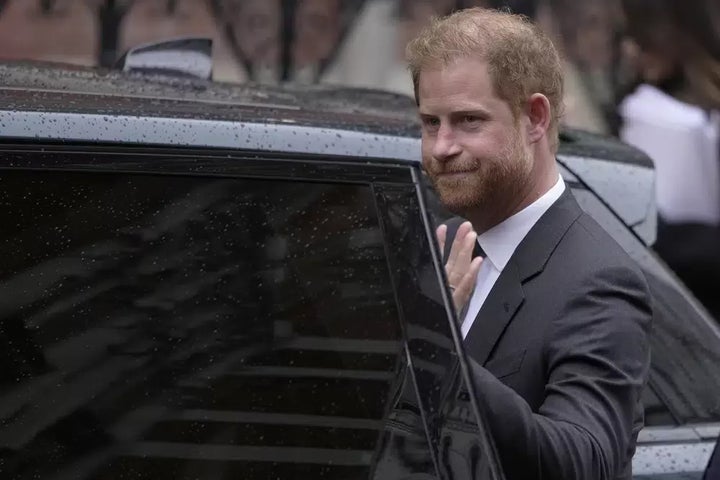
x=495, y=314
x=529, y=259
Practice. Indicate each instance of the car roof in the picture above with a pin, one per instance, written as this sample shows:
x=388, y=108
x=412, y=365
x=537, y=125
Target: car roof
x=32, y=86
x=73, y=93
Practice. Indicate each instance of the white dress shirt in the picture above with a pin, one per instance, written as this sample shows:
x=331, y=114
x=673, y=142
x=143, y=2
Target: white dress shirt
x=684, y=143
x=500, y=242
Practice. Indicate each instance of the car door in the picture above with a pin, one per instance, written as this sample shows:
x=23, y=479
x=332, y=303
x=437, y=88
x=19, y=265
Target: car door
x=195, y=314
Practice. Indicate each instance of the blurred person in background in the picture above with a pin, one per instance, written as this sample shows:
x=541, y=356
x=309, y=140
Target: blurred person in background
x=673, y=114
x=584, y=33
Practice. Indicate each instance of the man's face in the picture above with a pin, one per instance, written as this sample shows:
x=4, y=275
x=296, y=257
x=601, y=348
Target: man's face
x=472, y=147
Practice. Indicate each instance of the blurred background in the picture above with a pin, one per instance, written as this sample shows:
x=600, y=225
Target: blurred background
x=645, y=71
x=350, y=42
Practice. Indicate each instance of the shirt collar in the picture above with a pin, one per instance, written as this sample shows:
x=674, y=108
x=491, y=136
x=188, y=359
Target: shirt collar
x=500, y=242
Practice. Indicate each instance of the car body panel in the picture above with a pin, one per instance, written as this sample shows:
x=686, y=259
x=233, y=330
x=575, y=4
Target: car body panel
x=47, y=87
x=682, y=450
x=83, y=128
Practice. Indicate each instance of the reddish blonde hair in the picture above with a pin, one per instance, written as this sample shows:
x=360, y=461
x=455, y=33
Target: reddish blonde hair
x=522, y=60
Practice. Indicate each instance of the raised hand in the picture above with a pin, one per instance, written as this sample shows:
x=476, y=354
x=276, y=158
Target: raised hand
x=461, y=269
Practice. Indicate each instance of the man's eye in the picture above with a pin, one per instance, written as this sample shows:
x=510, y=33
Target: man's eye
x=431, y=122
x=471, y=119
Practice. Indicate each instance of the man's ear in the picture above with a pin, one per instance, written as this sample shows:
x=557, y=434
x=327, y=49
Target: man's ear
x=540, y=115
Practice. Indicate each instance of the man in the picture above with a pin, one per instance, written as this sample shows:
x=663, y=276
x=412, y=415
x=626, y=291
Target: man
x=554, y=315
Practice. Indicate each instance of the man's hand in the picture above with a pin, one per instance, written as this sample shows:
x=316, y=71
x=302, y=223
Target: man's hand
x=462, y=270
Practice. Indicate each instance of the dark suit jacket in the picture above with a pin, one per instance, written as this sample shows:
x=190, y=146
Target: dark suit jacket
x=713, y=469
x=560, y=351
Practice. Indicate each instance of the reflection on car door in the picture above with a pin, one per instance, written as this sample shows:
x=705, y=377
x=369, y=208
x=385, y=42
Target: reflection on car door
x=175, y=326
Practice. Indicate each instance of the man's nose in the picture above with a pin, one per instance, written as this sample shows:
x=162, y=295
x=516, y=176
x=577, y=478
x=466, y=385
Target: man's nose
x=445, y=146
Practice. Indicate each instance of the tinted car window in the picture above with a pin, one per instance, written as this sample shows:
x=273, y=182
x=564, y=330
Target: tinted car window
x=450, y=414
x=187, y=327
x=684, y=385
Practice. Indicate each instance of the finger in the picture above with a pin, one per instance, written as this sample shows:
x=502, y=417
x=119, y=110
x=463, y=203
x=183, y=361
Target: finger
x=474, y=269
x=441, y=233
x=466, y=285
x=468, y=247
x=462, y=259
x=463, y=230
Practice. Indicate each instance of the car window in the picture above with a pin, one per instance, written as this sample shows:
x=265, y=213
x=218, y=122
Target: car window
x=174, y=326
x=189, y=327
x=685, y=343
x=449, y=410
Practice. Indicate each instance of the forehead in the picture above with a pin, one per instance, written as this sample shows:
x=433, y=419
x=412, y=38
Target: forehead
x=462, y=84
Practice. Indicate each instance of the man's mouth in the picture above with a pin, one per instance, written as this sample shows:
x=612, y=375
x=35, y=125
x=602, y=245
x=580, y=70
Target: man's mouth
x=455, y=173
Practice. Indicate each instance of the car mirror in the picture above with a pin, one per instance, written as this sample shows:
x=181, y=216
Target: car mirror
x=185, y=57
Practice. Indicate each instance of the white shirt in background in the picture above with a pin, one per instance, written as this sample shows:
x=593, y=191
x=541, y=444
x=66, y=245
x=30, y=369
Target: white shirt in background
x=684, y=143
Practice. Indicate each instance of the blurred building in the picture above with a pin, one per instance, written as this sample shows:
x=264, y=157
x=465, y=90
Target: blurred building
x=350, y=42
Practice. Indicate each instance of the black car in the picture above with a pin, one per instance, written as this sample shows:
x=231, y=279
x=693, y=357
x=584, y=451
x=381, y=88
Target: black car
x=205, y=281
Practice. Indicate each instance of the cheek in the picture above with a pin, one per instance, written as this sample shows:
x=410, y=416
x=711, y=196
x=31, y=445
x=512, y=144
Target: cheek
x=483, y=148
x=427, y=166
x=426, y=152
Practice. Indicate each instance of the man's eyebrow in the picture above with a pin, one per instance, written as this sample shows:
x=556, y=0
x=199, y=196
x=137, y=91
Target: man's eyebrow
x=477, y=111
x=480, y=112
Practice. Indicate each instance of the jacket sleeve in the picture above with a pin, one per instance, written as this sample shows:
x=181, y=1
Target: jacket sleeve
x=598, y=360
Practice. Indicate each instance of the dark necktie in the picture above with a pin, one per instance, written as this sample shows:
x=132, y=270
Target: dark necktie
x=478, y=251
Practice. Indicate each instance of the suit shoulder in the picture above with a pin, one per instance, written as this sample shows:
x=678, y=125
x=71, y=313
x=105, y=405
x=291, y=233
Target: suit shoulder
x=588, y=240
